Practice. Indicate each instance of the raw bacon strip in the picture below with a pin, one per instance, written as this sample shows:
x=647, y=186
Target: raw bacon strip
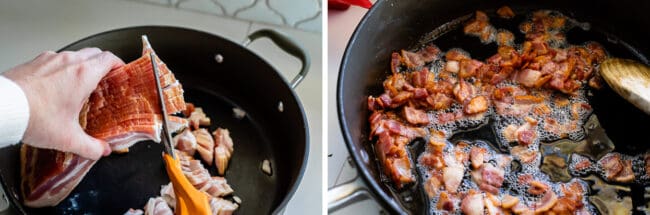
x=200, y=178
x=157, y=206
x=223, y=149
x=48, y=176
x=221, y=206
x=122, y=110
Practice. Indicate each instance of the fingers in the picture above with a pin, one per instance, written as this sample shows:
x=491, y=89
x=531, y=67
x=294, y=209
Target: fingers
x=100, y=64
x=86, y=146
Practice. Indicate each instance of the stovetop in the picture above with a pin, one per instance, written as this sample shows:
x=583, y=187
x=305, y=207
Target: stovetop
x=340, y=168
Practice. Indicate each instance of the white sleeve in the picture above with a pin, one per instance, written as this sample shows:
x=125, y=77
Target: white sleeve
x=14, y=112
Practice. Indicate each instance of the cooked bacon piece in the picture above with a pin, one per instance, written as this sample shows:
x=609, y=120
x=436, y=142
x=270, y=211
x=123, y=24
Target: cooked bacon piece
x=415, y=116
x=468, y=68
x=420, y=78
x=612, y=165
x=505, y=12
x=529, y=77
x=463, y=91
x=452, y=66
x=432, y=186
x=414, y=60
x=527, y=134
x=456, y=55
x=509, y=201
x=477, y=156
x=521, y=208
x=395, y=62
x=439, y=101
x=157, y=206
x=452, y=176
x=505, y=38
x=122, y=110
x=546, y=202
x=433, y=157
x=185, y=142
x=489, y=178
x=205, y=145
x=446, y=202
x=491, y=205
x=198, y=118
x=479, y=26
x=523, y=154
x=476, y=105
x=627, y=174
x=537, y=187
x=223, y=149
x=473, y=204
x=583, y=165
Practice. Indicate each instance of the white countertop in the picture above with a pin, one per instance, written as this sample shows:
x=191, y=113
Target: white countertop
x=341, y=25
x=28, y=27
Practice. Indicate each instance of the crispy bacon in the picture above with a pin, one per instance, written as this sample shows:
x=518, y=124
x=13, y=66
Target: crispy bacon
x=489, y=178
x=415, y=116
x=505, y=12
x=476, y=105
x=477, y=156
x=523, y=154
x=468, y=68
x=452, y=176
x=509, y=201
x=446, y=202
x=414, y=60
x=612, y=165
x=473, y=204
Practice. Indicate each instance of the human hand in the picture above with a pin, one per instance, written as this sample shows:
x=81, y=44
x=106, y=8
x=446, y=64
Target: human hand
x=56, y=86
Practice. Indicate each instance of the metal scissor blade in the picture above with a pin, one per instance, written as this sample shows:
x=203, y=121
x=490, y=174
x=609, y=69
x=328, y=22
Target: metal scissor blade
x=166, y=138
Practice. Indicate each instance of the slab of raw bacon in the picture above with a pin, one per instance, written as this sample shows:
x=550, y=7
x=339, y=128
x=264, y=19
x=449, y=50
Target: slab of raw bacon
x=122, y=110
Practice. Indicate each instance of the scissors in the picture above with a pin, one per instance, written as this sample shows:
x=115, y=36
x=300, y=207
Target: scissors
x=189, y=200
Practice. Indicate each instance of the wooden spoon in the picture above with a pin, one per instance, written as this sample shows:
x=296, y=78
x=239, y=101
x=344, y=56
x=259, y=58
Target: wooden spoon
x=630, y=79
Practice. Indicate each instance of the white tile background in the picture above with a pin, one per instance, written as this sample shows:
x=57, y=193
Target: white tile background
x=299, y=14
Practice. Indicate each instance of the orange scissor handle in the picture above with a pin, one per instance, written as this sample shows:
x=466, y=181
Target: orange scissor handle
x=189, y=201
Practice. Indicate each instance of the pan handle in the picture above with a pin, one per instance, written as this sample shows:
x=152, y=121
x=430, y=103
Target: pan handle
x=288, y=45
x=347, y=194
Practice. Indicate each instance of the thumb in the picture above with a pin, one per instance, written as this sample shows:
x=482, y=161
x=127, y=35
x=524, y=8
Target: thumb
x=86, y=146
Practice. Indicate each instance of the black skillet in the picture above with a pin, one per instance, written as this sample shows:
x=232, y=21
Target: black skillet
x=243, y=80
x=619, y=25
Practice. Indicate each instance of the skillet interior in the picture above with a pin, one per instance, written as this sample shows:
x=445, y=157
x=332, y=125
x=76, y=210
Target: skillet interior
x=395, y=25
x=243, y=80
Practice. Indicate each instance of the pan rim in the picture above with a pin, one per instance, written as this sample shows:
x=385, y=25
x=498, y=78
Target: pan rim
x=293, y=187
x=384, y=198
